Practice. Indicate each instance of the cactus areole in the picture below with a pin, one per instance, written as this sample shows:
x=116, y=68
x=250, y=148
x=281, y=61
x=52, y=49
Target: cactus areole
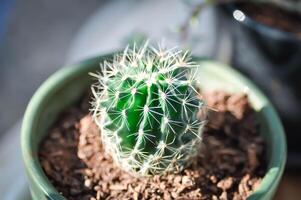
x=146, y=105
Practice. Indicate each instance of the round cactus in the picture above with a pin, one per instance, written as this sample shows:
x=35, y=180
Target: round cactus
x=146, y=105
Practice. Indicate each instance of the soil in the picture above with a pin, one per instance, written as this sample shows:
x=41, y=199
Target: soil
x=273, y=16
x=230, y=164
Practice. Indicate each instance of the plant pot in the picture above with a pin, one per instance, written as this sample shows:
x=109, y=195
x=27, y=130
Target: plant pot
x=67, y=86
x=272, y=59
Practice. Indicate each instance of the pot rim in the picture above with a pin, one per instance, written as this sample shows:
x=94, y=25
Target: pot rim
x=248, y=21
x=58, y=79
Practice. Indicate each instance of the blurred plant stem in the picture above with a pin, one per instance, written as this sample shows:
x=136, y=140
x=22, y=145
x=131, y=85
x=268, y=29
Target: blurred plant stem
x=290, y=5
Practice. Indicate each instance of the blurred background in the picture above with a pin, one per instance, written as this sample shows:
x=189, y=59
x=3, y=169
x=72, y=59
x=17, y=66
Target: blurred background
x=37, y=37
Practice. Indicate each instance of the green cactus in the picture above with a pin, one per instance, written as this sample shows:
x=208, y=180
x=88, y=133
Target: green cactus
x=146, y=106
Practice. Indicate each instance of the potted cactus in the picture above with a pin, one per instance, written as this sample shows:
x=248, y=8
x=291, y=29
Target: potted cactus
x=154, y=131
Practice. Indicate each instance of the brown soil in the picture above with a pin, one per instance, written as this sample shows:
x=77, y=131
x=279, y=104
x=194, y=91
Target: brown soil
x=230, y=165
x=274, y=16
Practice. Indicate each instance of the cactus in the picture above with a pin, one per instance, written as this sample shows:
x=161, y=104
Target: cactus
x=146, y=105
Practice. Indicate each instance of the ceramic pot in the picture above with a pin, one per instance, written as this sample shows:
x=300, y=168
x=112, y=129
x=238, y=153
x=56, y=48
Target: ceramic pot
x=67, y=86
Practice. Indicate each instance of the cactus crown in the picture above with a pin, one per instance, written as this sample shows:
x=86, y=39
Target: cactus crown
x=146, y=106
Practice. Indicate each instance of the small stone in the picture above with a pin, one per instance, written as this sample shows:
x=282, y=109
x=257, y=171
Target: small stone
x=225, y=184
x=162, y=186
x=88, y=183
x=187, y=181
x=223, y=196
x=174, y=195
x=136, y=195
x=177, y=180
x=213, y=179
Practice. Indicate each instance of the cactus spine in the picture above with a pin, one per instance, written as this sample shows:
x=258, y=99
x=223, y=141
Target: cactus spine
x=146, y=106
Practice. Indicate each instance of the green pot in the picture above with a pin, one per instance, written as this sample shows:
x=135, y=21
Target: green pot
x=68, y=85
